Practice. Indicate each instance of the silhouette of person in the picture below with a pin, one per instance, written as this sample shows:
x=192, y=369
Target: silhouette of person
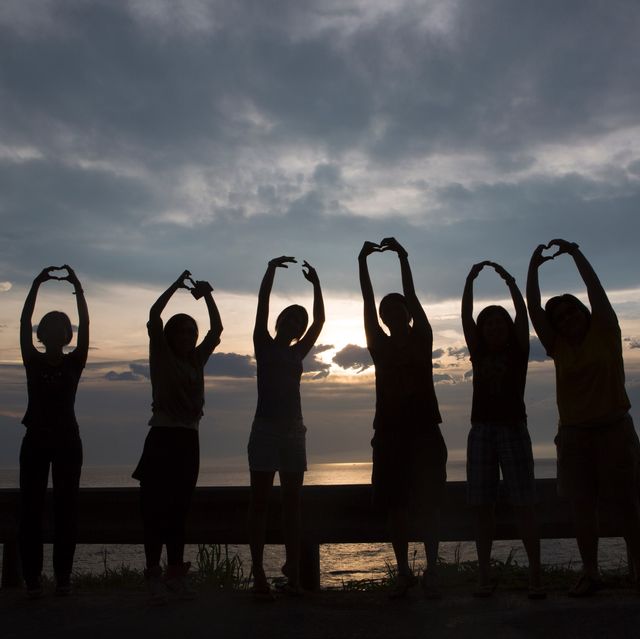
x=598, y=448
x=409, y=453
x=52, y=437
x=499, y=439
x=277, y=440
x=168, y=468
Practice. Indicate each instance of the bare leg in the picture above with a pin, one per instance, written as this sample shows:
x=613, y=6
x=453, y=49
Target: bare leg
x=291, y=485
x=399, y=532
x=485, y=527
x=530, y=538
x=630, y=517
x=261, y=483
x=585, y=517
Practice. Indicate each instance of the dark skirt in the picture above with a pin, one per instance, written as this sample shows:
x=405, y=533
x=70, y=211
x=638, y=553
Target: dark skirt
x=170, y=455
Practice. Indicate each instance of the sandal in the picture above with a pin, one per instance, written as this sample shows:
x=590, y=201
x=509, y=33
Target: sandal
x=586, y=586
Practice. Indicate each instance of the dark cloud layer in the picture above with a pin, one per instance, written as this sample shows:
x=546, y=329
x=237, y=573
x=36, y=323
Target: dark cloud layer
x=138, y=141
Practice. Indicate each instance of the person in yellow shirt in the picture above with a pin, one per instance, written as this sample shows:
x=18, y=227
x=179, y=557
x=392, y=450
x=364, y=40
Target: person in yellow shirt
x=598, y=447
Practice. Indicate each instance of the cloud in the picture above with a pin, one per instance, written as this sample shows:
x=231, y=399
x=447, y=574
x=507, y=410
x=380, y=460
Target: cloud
x=125, y=376
x=469, y=374
x=438, y=353
x=5, y=286
x=634, y=343
x=458, y=352
x=537, y=352
x=312, y=364
x=442, y=377
x=353, y=357
x=230, y=365
x=140, y=368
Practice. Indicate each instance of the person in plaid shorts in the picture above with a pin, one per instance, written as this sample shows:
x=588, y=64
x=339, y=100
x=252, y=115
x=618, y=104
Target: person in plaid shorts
x=499, y=439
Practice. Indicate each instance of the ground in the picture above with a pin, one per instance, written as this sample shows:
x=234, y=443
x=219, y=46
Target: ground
x=327, y=615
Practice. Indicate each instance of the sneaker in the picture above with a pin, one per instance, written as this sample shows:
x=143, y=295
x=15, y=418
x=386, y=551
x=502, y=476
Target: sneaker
x=586, y=586
x=402, y=585
x=158, y=593
x=177, y=581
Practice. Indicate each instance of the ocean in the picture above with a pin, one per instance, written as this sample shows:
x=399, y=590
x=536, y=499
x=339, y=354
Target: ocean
x=338, y=562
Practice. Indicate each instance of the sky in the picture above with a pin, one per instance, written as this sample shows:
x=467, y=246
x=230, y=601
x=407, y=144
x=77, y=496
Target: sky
x=143, y=137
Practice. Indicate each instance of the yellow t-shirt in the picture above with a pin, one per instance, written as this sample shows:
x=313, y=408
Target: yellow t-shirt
x=590, y=377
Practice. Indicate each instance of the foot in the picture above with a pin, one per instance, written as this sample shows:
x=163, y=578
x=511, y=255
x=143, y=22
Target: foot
x=63, y=586
x=158, y=594
x=177, y=582
x=429, y=584
x=261, y=590
x=402, y=585
x=34, y=587
x=586, y=586
x=484, y=590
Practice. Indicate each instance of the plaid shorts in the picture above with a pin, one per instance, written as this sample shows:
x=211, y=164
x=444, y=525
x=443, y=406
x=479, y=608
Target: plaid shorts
x=496, y=446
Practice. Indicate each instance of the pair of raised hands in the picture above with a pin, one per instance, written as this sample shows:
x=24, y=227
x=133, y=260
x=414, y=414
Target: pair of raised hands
x=387, y=244
x=307, y=270
x=197, y=287
x=563, y=247
x=47, y=274
x=502, y=272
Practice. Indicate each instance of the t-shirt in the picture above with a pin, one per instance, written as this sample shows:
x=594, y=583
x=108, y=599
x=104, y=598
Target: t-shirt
x=590, y=376
x=279, y=372
x=499, y=380
x=177, y=383
x=405, y=395
x=52, y=393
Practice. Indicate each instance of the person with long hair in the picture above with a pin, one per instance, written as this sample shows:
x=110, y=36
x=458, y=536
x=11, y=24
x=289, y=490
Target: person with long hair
x=277, y=440
x=170, y=462
x=409, y=452
x=597, y=445
x=499, y=438
x=52, y=439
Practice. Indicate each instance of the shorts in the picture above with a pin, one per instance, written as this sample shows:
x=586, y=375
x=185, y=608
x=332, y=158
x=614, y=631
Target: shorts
x=599, y=461
x=495, y=446
x=409, y=469
x=277, y=446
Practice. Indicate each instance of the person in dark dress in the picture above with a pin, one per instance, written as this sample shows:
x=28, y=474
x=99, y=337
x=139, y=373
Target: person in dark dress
x=409, y=453
x=52, y=439
x=499, y=438
x=168, y=468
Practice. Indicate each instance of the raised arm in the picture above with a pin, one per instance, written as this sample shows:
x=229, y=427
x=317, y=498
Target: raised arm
x=310, y=337
x=521, y=320
x=469, y=326
x=26, y=319
x=82, y=346
x=600, y=304
x=538, y=317
x=371, y=324
x=261, y=330
x=212, y=338
x=413, y=304
x=155, y=312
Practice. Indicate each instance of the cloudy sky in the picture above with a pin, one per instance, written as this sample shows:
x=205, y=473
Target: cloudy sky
x=141, y=138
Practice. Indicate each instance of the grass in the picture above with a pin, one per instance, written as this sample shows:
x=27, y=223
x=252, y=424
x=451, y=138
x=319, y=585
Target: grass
x=216, y=567
x=507, y=574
